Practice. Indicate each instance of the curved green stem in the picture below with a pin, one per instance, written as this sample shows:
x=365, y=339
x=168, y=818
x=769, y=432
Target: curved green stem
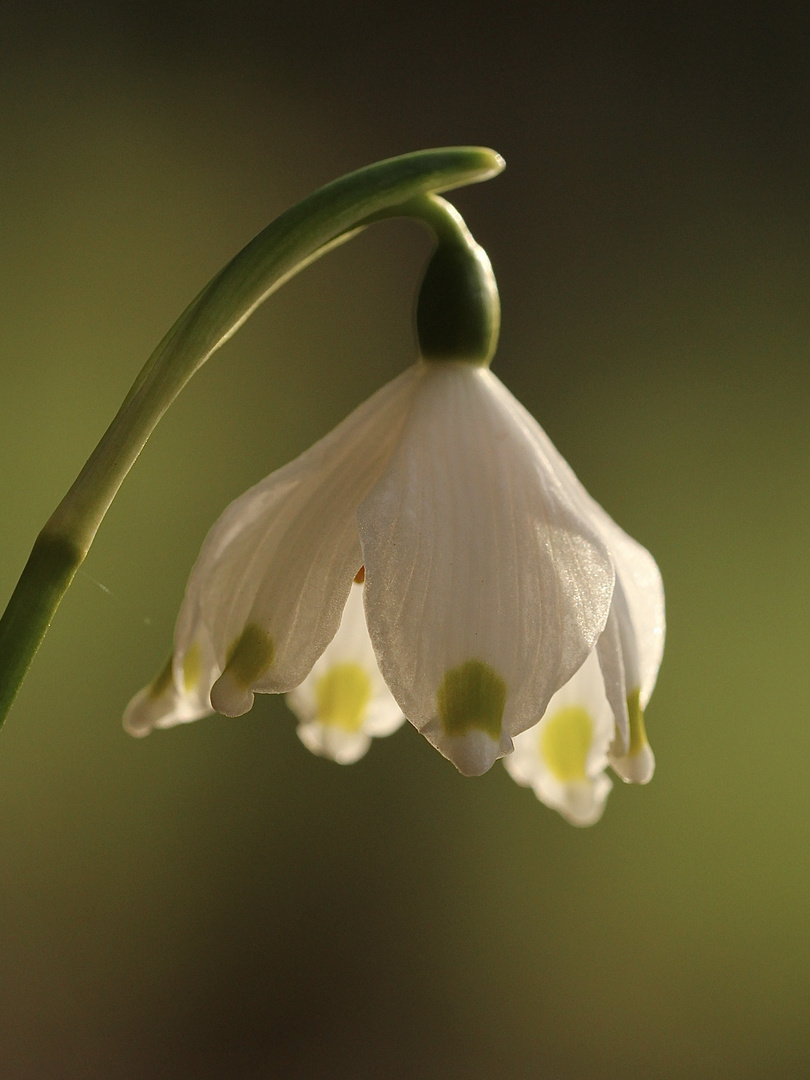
x=302, y=234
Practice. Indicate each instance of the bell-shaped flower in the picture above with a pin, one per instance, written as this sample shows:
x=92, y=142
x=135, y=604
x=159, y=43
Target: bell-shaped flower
x=343, y=703
x=564, y=757
x=490, y=575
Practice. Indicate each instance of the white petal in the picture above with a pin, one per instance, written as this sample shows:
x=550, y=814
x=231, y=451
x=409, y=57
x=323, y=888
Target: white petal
x=642, y=610
x=157, y=705
x=327, y=741
x=611, y=662
x=563, y=758
x=638, y=615
x=632, y=646
x=344, y=701
x=637, y=764
x=180, y=693
x=486, y=587
x=630, y=755
x=640, y=604
x=274, y=572
x=635, y=768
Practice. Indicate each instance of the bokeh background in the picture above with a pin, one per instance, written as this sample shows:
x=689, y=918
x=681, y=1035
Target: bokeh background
x=215, y=902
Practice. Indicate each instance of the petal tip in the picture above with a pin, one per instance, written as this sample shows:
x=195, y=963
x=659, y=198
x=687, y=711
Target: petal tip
x=146, y=710
x=137, y=728
x=229, y=697
x=584, y=804
x=637, y=767
x=638, y=764
x=338, y=746
x=472, y=754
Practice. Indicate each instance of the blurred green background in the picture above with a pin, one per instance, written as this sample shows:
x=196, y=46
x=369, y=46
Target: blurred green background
x=215, y=902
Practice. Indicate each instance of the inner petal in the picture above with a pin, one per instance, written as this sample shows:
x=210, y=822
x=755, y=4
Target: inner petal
x=565, y=741
x=342, y=695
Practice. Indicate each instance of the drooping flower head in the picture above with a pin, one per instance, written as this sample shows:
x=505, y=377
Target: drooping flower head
x=490, y=574
x=492, y=582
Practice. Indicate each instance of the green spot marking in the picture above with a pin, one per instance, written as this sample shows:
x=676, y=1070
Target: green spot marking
x=565, y=740
x=638, y=733
x=343, y=694
x=249, y=656
x=472, y=696
x=191, y=668
x=163, y=681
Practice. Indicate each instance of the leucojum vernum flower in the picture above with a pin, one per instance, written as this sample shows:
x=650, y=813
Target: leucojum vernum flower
x=433, y=558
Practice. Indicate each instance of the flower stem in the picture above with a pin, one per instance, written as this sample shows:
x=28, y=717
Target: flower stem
x=299, y=236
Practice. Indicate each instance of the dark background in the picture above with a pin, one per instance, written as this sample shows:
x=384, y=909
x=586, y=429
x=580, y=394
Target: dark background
x=215, y=902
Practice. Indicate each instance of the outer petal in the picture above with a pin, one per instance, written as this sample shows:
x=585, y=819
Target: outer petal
x=274, y=572
x=639, y=602
x=344, y=701
x=630, y=755
x=611, y=661
x=632, y=646
x=486, y=586
x=180, y=693
x=564, y=757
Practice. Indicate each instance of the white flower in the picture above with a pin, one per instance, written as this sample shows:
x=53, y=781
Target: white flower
x=344, y=701
x=491, y=575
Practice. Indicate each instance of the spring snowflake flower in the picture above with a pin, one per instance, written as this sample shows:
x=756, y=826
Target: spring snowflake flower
x=490, y=577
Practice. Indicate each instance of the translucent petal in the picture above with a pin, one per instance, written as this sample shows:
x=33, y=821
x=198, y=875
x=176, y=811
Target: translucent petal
x=611, y=662
x=637, y=765
x=563, y=758
x=630, y=755
x=639, y=602
x=180, y=693
x=486, y=587
x=637, y=768
x=632, y=646
x=157, y=706
x=641, y=611
x=274, y=572
x=344, y=701
x=330, y=742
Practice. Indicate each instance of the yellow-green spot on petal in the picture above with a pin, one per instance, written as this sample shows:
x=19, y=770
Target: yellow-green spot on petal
x=472, y=697
x=163, y=681
x=249, y=656
x=565, y=739
x=638, y=732
x=343, y=694
x=191, y=668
